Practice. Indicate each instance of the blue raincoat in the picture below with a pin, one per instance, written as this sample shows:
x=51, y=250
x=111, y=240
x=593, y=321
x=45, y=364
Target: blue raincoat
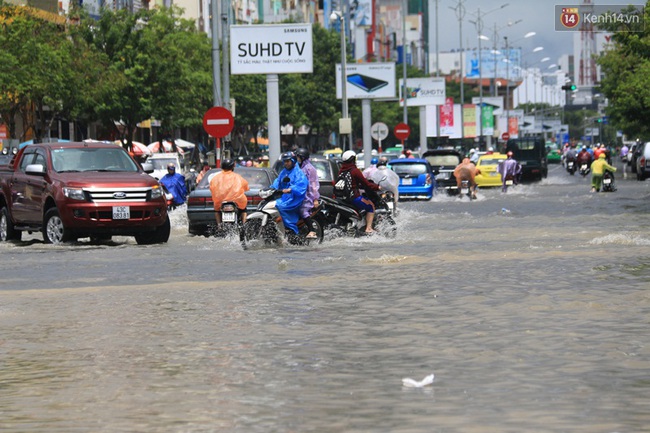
x=289, y=204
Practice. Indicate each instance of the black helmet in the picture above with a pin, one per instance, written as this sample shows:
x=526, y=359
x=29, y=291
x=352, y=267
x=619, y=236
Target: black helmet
x=288, y=156
x=228, y=164
x=303, y=153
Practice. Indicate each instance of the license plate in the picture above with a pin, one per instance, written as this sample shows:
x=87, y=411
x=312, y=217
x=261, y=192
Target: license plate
x=495, y=174
x=509, y=182
x=464, y=190
x=390, y=205
x=407, y=181
x=121, y=212
x=607, y=181
x=583, y=167
x=228, y=217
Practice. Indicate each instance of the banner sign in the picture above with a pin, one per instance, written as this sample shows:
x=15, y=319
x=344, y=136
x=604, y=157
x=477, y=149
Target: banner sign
x=367, y=80
x=271, y=49
x=422, y=91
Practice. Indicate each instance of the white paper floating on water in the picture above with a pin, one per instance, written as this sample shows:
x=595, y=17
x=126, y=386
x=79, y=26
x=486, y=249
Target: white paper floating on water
x=412, y=383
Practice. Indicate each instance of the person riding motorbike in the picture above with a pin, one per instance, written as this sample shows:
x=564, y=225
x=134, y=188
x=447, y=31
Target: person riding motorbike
x=293, y=183
x=175, y=184
x=509, y=168
x=391, y=182
x=229, y=186
x=466, y=170
x=360, y=202
x=313, y=194
x=583, y=157
x=598, y=168
x=570, y=155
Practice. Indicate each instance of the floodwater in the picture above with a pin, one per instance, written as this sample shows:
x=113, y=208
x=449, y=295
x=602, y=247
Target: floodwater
x=531, y=309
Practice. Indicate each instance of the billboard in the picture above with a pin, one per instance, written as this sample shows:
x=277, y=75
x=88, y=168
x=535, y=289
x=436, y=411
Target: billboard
x=492, y=61
x=271, y=49
x=367, y=80
x=422, y=91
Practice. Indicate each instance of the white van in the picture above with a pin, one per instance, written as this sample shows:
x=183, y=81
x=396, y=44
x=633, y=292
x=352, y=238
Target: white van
x=160, y=161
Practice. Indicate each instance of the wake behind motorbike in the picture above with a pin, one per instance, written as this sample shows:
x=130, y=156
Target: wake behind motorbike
x=231, y=221
x=265, y=225
x=341, y=218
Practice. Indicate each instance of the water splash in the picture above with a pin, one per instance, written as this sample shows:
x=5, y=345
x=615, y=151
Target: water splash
x=620, y=239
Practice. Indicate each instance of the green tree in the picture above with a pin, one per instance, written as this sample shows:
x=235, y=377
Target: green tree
x=626, y=71
x=35, y=72
x=159, y=66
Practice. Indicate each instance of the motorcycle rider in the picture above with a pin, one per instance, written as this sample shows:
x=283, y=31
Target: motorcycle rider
x=229, y=186
x=466, y=170
x=313, y=194
x=391, y=182
x=509, y=167
x=293, y=183
x=570, y=155
x=175, y=184
x=598, y=168
x=349, y=163
x=583, y=157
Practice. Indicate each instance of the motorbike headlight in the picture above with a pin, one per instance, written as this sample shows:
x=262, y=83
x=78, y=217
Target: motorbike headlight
x=74, y=193
x=156, y=192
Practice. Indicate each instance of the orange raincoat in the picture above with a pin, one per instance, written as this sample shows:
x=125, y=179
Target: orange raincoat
x=229, y=186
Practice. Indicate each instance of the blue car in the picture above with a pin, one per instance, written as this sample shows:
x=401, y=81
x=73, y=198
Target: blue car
x=416, y=179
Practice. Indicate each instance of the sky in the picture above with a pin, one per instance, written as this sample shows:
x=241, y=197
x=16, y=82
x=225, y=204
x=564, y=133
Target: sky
x=535, y=15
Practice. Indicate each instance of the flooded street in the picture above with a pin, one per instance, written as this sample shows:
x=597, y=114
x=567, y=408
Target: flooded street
x=531, y=308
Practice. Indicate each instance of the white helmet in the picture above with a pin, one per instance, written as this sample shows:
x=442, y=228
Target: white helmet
x=348, y=155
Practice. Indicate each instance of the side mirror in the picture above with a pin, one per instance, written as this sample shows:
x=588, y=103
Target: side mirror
x=147, y=167
x=35, y=169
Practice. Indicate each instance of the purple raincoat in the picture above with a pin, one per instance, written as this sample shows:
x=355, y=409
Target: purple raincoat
x=312, y=190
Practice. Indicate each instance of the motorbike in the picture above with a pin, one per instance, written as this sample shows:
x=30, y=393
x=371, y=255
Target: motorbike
x=584, y=169
x=231, y=223
x=265, y=224
x=571, y=167
x=608, y=182
x=341, y=218
x=510, y=181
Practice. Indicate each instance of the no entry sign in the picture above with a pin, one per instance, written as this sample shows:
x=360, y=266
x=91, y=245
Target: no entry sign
x=218, y=122
x=402, y=131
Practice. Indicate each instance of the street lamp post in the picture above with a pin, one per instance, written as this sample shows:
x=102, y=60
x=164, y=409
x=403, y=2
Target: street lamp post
x=479, y=29
x=345, y=126
x=460, y=14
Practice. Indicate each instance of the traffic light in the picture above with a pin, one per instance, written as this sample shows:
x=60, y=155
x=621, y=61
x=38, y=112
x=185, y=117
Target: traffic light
x=570, y=87
x=599, y=120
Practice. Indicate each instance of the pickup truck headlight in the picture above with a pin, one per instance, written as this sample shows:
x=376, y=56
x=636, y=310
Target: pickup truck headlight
x=74, y=193
x=156, y=192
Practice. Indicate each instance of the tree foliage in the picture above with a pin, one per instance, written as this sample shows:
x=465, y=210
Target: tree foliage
x=626, y=70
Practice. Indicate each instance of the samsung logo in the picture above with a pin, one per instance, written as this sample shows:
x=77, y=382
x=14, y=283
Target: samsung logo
x=295, y=30
x=119, y=195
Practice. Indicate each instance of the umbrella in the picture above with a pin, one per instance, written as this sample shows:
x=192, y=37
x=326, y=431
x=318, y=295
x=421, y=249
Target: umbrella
x=167, y=147
x=184, y=144
x=139, y=149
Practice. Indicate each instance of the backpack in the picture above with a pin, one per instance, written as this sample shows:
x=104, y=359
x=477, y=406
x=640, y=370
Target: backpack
x=343, y=187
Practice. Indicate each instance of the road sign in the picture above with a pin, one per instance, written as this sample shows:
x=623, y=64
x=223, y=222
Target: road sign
x=505, y=136
x=218, y=122
x=379, y=131
x=402, y=131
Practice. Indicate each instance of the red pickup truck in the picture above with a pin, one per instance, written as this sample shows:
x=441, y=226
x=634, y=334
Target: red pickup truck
x=75, y=190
